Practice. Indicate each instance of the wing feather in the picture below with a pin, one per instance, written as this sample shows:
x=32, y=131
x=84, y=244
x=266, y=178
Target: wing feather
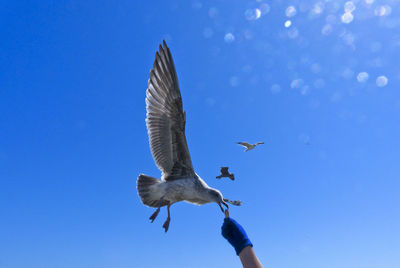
x=165, y=118
x=245, y=144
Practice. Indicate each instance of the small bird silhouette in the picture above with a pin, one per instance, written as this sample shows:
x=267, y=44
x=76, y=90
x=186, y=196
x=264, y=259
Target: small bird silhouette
x=225, y=173
x=249, y=146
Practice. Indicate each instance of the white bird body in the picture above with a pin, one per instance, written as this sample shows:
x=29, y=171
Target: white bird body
x=251, y=147
x=165, y=121
x=191, y=190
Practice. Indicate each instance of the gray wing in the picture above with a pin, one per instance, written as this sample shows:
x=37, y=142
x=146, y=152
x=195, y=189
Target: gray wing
x=245, y=144
x=165, y=118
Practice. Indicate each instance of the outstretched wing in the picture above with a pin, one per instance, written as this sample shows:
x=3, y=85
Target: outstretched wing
x=165, y=118
x=258, y=143
x=244, y=144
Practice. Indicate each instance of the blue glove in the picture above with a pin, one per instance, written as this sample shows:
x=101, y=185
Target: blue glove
x=235, y=234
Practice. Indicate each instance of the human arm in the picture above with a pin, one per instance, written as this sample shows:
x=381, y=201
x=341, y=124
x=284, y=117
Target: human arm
x=237, y=237
x=249, y=259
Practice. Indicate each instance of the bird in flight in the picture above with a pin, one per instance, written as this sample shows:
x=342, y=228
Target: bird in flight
x=249, y=146
x=225, y=173
x=165, y=121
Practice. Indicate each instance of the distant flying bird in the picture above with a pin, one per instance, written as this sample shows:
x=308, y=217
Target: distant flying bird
x=249, y=146
x=225, y=173
x=165, y=120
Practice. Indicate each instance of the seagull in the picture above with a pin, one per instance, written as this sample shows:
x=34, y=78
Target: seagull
x=165, y=121
x=225, y=173
x=249, y=146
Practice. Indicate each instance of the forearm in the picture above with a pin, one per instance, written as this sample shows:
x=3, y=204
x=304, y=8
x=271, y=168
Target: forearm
x=249, y=258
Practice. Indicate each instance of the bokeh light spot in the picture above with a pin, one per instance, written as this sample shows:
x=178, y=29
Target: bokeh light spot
x=290, y=11
x=349, y=6
x=362, y=77
x=264, y=8
x=347, y=73
x=213, y=12
x=229, y=38
x=315, y=68
x=319, y=83
x=252, y=14
x=381, y=81
x=305, y=90
x=275, y=89
x=317, y=9
x=347, y=17
x=296, y=83
x=383, y=10
x=327, y=29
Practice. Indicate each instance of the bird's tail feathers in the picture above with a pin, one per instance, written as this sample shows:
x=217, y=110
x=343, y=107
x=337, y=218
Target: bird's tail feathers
x=147, y=190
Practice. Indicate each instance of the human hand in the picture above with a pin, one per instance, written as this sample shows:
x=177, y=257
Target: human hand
x=235, y=234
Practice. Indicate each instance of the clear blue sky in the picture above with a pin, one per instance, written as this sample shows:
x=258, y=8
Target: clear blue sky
x=73, y=76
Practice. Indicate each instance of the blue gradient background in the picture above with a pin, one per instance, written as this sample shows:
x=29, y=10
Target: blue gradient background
x=73, y=139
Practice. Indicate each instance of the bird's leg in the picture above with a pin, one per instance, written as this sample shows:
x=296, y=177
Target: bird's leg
x=225, y=204
x=166, y=223
x=222, y=209
x=154, y=215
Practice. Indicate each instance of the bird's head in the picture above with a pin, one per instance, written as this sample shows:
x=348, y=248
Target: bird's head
x=216, y=197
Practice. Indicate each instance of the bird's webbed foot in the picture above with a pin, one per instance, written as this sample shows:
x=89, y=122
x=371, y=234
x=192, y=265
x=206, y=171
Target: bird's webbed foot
x=166, y=224
x=154, y=215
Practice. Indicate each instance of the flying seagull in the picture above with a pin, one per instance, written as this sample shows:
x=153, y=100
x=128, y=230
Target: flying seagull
x=249, y=146
x=165, y=121
x=225, y=173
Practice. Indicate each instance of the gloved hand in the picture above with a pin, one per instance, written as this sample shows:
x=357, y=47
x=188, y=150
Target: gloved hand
x=235, y=234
